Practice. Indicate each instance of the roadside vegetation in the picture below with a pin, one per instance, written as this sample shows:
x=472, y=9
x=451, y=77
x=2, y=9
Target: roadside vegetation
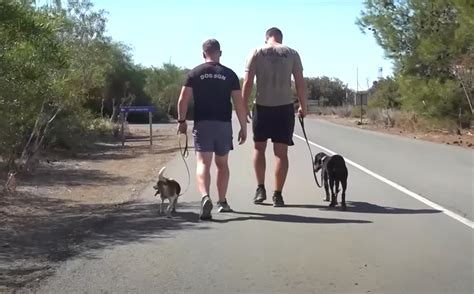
x=63, y=80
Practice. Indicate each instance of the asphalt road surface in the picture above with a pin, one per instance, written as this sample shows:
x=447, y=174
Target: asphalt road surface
x=408, y=228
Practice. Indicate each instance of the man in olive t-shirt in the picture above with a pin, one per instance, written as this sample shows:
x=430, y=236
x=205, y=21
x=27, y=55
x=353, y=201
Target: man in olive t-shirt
x=273, y=114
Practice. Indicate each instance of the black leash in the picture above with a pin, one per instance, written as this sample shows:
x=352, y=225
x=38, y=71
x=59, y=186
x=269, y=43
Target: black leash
x=184, y=152
x=310, y=152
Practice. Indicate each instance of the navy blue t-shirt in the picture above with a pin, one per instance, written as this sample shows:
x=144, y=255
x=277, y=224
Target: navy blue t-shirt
x=212, y=85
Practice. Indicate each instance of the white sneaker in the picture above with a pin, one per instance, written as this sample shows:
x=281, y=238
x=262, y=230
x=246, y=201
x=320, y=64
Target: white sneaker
x=206, y=208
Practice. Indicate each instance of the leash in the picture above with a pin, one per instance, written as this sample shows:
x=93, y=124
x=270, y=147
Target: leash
x=310, y=152
x=184, y=152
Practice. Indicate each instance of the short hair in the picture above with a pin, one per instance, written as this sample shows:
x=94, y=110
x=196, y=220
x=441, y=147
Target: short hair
x=211, y=46
x=274, y=32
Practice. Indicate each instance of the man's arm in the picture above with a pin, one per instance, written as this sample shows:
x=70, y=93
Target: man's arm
x=239, y=107
x=250, y=71
x=183, y=102
x=300, y=85
x=301, y=90
x=241, y=111
x=248, y=86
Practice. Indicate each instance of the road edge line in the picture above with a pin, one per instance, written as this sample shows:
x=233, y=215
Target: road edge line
x=400, y=188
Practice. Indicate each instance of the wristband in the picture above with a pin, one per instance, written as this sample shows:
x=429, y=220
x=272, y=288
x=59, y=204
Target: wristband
x=181, y=121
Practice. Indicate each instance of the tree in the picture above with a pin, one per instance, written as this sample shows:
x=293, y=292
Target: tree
x=426, y=40
x=330, y=90
x=384, y=94
x=32, y=64
x=163, y=85
x=59, y=73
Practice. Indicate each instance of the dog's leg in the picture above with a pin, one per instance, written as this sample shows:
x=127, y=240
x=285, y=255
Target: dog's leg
x=175, y=203
x=337, y=189
x=170, y=206
x=333, y=196
x=326, y=186
x=343, y=196
x=161, y=206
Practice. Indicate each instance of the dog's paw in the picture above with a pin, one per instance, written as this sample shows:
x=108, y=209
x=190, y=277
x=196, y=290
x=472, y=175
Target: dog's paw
x=343, y=207
x=332, y=204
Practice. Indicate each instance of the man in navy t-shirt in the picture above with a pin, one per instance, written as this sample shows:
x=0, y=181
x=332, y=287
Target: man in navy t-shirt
x=212, y=85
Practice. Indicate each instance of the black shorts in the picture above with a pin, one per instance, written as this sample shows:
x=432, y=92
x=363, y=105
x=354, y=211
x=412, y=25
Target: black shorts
x=274, y=122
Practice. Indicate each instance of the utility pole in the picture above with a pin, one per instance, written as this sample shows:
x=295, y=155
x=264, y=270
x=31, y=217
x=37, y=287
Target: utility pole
x=357, y=94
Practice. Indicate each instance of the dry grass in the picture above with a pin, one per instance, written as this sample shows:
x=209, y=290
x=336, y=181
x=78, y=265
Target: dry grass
x=391, y=118
x=407, y=124
x=339, y=111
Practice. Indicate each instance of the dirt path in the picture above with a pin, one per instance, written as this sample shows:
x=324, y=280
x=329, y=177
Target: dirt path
x=57, y=213
x=465, y=140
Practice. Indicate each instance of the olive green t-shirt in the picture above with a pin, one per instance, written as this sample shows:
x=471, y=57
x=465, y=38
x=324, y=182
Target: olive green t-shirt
x=274, y=65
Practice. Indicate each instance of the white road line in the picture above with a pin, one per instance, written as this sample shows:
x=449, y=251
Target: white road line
x=433, y=205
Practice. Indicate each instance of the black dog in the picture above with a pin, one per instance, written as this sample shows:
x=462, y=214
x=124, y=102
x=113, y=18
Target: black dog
x=333, y=170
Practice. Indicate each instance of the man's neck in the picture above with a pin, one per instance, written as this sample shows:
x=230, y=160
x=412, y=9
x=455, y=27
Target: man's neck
x=212, y=60
x=272, y=42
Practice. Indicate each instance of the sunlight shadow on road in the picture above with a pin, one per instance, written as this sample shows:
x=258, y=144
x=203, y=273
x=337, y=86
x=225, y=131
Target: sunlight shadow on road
x=365, y=207
x=288, y=218
x=32, y=245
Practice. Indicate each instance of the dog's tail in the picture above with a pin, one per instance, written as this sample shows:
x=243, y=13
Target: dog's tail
x=160, y=174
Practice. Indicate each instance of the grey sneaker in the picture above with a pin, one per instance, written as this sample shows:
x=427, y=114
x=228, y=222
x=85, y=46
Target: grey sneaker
x=260, y=195
x=278, y=200
x=223, y=207
x=206, y=208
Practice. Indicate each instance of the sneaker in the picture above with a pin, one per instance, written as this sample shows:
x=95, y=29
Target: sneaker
x=223, y=207
x=206, y=207
x=278, y=200
x=260, y=195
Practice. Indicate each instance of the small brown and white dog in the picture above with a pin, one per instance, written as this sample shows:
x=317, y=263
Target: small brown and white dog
x=168, y=189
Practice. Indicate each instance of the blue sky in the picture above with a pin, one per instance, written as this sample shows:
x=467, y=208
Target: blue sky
x=322, y=31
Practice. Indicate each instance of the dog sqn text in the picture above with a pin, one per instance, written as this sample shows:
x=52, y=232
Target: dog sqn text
x=213, y=76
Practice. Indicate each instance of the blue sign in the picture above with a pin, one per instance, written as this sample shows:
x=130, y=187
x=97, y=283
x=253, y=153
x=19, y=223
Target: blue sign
x=138, y=109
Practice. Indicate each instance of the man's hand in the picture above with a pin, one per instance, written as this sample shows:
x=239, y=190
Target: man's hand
x=182, y=128
x=249, y=116
x=302, y=112
x=242, y=136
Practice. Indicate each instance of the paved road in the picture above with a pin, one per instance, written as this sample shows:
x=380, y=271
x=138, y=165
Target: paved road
x=443, y=174
x=387, y=242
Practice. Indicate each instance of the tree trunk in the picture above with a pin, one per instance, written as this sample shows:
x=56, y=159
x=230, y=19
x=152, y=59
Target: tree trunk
x=37, y=136
x=113, y=117
x=102, y=108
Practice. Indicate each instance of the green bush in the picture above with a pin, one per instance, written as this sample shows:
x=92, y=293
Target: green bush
x=76, y=129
